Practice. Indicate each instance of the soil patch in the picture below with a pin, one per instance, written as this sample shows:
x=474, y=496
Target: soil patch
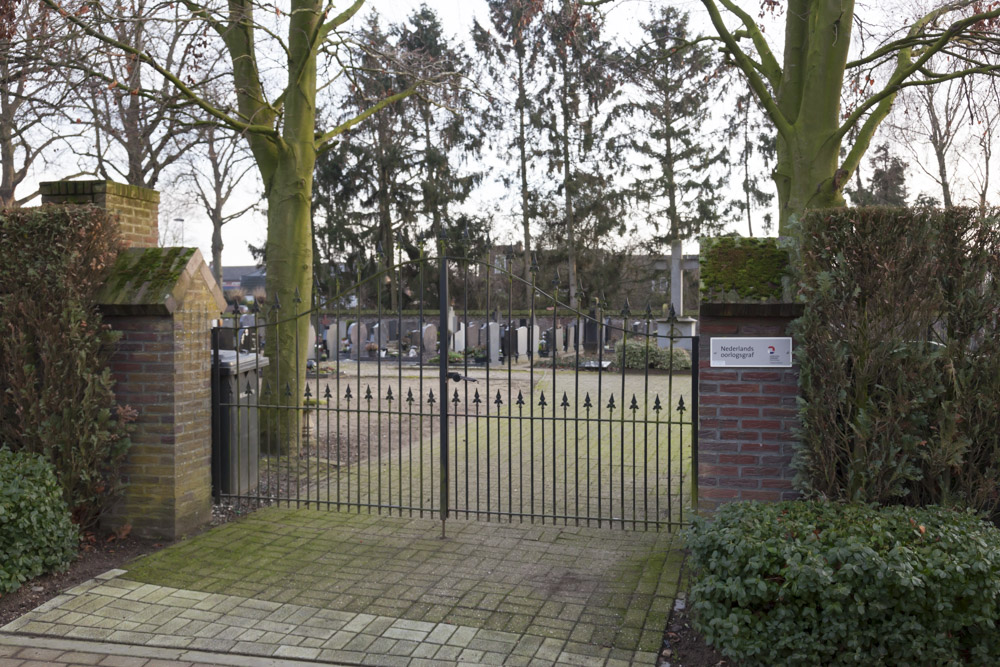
x=683, y=646
x=99, y=552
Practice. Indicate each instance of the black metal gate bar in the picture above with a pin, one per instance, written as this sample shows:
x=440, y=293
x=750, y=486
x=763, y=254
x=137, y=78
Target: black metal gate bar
x=620, y=441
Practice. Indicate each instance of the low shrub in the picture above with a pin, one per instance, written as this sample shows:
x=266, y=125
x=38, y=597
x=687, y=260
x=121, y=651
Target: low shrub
x=36, y=534
x=820, y=583
x=647, y=354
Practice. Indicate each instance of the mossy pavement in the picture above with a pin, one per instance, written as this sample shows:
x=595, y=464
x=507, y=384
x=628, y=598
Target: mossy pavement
x=340, y=587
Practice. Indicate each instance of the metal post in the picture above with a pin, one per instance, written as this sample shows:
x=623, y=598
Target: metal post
x=695, y=362
x=443, y=371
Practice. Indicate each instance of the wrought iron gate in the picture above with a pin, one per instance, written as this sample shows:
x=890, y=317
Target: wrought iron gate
x=537, y=412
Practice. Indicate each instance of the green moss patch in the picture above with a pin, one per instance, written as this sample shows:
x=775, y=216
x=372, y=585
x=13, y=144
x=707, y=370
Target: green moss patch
x=144, y=276
x=743, y=269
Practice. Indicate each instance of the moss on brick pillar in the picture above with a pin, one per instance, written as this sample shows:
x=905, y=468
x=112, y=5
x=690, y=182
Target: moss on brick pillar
x=137, y=207
x=747, y=417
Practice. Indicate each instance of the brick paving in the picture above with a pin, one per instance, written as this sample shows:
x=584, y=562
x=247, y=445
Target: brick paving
x=338, y=588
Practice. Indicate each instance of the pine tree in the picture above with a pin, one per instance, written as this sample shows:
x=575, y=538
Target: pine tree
x=515, y=43
x=587, y=203
x=679, y=179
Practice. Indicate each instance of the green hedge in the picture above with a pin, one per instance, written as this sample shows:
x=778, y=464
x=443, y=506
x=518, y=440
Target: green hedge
x=36, y=534
x=819, y=583
x=638, y=355
x=56, y=392
x=899, y=354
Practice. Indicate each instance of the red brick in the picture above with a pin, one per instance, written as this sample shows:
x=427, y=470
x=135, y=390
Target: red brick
x=761, y=376
x=739, y=482
x=776, y=460
x=759, y=423
x=718, y=470
x=716, y=446
x=721, y=494
x=784, y=413
x=783, y=436
x=739, y=388
x=760, y=400
x=719, y=400
x=766, y=496
x=759, y=447
x=787, y=389
x=739, y=435
x=713, y=328
x=739, y=412
x=776, y=483
x=757, y=471
x=719, y=423
x=728, y=376
x=738, y=458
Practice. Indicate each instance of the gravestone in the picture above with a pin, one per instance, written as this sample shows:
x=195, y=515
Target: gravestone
x=560, y=339
x=534, y=338
x=522, y=341
x=429, y=338
x=508, y=342
x=458, y=340
x=378, y=335
x=392, y=328
x=493, y=342
x=570, y=338
x=311, y=355
x=590, y=334
x=357, y=333
x=473, y=336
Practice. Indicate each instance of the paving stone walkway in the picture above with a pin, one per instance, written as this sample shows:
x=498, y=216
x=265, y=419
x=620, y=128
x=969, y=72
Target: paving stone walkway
x=339, y=588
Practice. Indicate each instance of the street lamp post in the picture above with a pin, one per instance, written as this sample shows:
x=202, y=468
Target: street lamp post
x=181, y=220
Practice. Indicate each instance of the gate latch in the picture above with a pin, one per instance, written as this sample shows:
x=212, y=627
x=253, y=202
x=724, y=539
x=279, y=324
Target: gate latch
x=458, y=377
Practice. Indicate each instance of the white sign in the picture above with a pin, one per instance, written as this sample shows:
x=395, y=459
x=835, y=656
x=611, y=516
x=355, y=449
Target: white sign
x=752, y=352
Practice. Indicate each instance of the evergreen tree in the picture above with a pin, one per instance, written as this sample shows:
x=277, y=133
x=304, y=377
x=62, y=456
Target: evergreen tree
x=887, y=186
x=448, y=137
x=365, y=186
x=587, y=203
x=679, y=177
x=515, y=43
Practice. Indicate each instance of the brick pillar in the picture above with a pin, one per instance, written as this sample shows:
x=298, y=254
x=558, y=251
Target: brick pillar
x=137, y=207
x=747, y=416
x=162, y=301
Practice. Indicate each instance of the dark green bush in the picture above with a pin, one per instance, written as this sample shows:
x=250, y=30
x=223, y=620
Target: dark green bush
x=36, y=534
x=817, y=583
x=56, y=396
x=899, y=351
x=646, y=353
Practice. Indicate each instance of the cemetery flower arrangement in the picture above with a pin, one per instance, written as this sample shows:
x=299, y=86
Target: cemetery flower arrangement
x=823, y=583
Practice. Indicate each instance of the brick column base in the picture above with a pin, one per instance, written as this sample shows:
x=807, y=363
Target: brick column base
x=747, y=416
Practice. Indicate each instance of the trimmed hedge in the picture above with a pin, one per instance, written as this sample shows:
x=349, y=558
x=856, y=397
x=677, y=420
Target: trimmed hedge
x=36, y=534
x=635, y=355
x=820, y=583
x=899, y=354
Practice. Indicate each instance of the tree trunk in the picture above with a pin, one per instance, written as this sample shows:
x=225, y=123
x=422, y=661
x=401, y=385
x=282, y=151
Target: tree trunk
x=522, y=146
x=807, y=176
x=287, y=169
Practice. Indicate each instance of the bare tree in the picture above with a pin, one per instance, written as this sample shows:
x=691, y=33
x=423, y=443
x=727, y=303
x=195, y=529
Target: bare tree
x=31, y=94
x=139, y=124
x=212, y=174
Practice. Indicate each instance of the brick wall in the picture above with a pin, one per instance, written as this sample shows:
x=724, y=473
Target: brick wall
x=142, y=365
x=747, y=416
x=137, y=207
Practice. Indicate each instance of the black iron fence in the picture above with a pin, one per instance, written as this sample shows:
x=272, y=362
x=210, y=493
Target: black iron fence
x=528, y=409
